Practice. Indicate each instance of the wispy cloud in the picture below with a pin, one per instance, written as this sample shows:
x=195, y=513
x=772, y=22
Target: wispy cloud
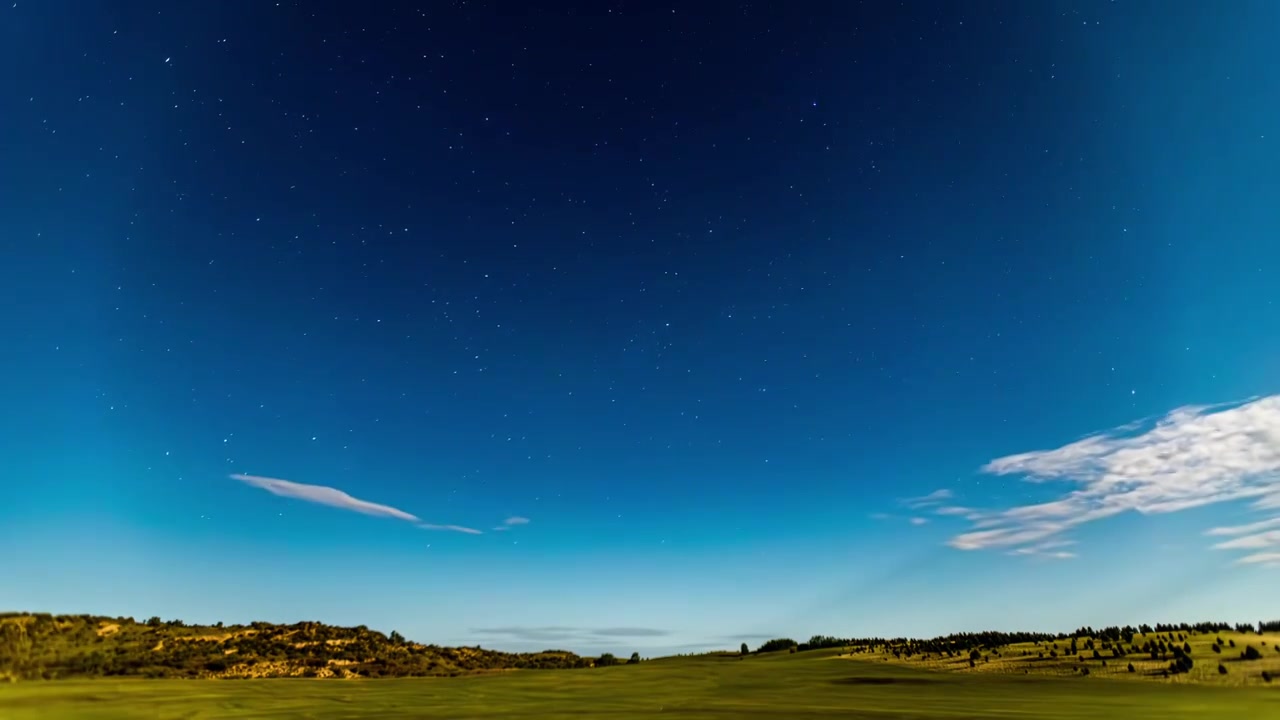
x=322, y=495
x=919, y=521
x=511, y=522
x=568, y=635
x=333, y=497
x=937, y=497
x=1270, y=559
x=1245, y=529
x=1192, y=457
x=1050, y=549
x=451, y=528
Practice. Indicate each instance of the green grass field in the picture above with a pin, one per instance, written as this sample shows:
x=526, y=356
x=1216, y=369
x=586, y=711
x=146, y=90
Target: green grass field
x=1023, y=658
x=801, y=685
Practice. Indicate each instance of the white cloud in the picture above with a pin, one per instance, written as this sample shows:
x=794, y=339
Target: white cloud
x=1192, y=457
x=937, y=497
x=1268, y=502
x=1270, y=559
x=451, y=528
x=516, y=520
x=1245, y=529
x=336, y=498
x=1251, y=542
x=919, y=521
x=1047, y=549
x=322, y=495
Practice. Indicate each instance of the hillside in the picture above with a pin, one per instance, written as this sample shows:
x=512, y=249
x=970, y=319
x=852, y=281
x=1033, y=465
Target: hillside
x=43, y=646
x=1184, y=655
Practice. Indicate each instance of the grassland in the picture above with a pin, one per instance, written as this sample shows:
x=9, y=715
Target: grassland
x=1052, y=658
x=80, y=667
x=818, y=684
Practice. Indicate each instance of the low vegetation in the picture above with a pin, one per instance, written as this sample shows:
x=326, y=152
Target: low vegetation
x=804, y=685
x=49, y=647
x=1207, y=653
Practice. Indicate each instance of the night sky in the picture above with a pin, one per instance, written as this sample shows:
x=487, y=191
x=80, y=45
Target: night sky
x=630, y=325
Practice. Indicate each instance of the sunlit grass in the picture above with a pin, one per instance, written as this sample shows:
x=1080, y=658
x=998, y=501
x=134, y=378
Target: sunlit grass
x=800, y=685
x=1038, y=660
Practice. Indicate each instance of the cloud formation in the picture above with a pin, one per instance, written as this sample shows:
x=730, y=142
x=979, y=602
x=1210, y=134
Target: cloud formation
x=937, y=497
x=322, y=495
x=574, y=635
x=1049, y=549
x=1192, y=457
x=333, y=497
x=516, y=520
x=451, y=528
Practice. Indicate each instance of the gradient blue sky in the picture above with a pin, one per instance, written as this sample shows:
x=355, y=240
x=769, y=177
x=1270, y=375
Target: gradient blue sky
x=712, y=296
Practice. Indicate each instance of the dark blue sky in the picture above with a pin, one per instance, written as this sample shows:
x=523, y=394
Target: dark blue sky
x=705, y=293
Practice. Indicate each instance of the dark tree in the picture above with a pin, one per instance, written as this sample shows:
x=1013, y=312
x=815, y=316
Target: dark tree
x=744, y=650
x=1131, y=668
x=635, y=659
x=1222, y=669
x=777, y=644
x=1251, y=653
x=606, y=660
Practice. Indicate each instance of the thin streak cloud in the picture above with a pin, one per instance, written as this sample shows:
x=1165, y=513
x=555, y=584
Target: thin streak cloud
x=333, y=497
x=322, y=495
x=451, y=528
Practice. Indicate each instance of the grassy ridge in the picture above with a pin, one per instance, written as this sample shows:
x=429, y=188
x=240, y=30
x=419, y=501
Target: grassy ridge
x=47, y=647
x=1224, y=666
x=814, y=684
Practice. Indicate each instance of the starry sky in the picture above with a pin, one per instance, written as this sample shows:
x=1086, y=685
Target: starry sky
x=640, y=326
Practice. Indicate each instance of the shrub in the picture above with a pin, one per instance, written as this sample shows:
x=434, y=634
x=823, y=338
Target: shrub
x=1216, y=648
x=1131, y=668
x=1222, y=669
x=1251, y=653
x=1266, y=676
